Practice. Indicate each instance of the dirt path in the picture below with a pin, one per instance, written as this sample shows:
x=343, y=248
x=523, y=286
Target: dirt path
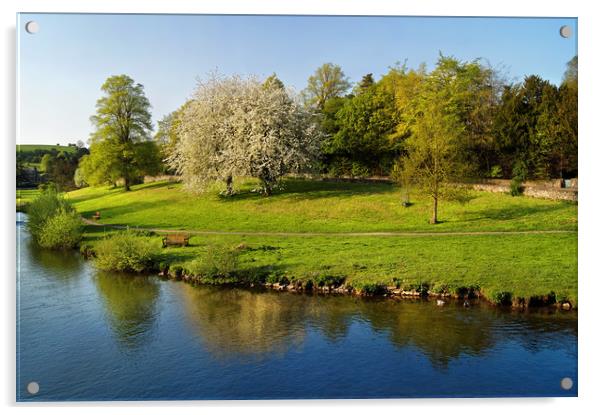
x=301, y=234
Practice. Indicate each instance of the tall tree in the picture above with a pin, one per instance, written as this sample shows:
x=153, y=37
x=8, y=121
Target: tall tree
x=237, y=127
x=328, y=81
x=366, y=125
x=435, y=150
x=570, y=77
x=567, y=116
x=122, y=121
x=366, y=82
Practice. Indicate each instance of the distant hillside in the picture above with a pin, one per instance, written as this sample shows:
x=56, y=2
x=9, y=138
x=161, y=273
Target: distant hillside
x=44, y=148
x=59, y=168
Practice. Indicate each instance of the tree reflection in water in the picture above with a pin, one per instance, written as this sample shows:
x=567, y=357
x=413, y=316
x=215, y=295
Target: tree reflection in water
x=234, y=322
x=130, y=305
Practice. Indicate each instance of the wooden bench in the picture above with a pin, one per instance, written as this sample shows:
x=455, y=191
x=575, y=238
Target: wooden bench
x=96, y=216
x=179, y=239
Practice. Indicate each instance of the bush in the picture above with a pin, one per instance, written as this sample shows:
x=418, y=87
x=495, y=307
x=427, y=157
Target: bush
x=502, y=298
x=372, y=288
x=495, y=172
x=359, y=170
x=126, y=251
x=519, y=175
x=47, y=205
x=218, y=261
x=61, y=231
x=323, y=280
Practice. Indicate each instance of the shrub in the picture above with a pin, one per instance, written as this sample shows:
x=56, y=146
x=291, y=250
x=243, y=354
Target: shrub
x=86, y=250
x=372, y=288
x=495, y=172
x=125, y=251
x=61, y=231
x=177, y=271
x=359, y=170
x=502, y=298
x=329, y=280
x=218, y=261
x=519, y=175
x=49, y=203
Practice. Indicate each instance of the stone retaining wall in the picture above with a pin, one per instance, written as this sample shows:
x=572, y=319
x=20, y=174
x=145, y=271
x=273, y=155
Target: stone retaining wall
x=544, y=189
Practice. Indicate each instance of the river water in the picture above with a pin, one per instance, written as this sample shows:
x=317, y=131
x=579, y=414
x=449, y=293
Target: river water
x=89, y=335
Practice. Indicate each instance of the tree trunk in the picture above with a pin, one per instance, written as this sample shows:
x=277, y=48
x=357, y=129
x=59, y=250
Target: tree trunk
x=229, y=188
x=435, y=202
x=126, y=184
x=267, y=187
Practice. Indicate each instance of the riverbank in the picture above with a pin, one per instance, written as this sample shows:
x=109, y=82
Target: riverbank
x=332, y=286
x=356, y=238
x=528, y=269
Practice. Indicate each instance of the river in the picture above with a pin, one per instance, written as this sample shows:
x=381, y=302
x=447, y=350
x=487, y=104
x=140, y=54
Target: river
x=89, y=335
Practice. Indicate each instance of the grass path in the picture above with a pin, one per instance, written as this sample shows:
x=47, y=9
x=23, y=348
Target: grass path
x=309, y=234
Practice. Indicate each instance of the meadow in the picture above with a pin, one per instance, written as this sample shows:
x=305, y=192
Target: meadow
x=29, y=148
x=332, y=228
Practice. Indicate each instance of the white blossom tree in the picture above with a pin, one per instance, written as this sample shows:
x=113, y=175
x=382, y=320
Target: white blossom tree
x=242, y=127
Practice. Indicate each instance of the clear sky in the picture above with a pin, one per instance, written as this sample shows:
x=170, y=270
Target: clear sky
x=62, y=67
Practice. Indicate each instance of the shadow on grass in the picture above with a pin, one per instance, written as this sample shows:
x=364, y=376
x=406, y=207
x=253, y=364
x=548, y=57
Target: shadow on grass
x=114, y=211
x=511, y=212
x=110, y=191
x=314, y=189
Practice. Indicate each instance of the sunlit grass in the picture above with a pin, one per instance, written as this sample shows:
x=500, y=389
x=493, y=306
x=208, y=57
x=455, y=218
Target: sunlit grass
x=310, y=206
x=524, y=265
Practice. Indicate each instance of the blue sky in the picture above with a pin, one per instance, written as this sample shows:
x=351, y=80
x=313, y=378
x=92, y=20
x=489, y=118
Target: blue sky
x=62, y=67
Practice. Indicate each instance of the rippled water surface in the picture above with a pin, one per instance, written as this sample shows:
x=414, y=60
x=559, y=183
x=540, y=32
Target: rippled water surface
x=88, y=335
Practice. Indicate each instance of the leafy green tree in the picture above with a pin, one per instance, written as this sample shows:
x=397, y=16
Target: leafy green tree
x=273, y=81
x=366, y=82
x=567, y=115
x=365, y=124
x=405, y=85
x=122, y=122
x=435, y=157
x=327, y=82
x=570, y=78
x=46, y=162
x=167, y=135
x=527, y=128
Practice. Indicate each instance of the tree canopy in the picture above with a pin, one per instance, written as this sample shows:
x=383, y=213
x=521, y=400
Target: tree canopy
x=238, y=126
x=120, y=146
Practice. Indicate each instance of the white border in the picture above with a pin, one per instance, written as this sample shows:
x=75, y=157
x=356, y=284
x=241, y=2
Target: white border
x=589, y=182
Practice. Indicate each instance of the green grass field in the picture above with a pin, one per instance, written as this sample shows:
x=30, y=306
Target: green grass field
x=24, y=148
x=24, y=196
x=524, y=265
x=313, y=206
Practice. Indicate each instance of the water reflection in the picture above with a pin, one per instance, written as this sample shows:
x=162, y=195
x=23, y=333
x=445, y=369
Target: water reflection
x=130, y=306
x=61, y=265
x=234, y=322
x=231, y=322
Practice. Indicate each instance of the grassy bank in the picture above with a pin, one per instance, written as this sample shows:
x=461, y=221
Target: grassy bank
x=503, y=267
x=312, y=206
x=24, y=197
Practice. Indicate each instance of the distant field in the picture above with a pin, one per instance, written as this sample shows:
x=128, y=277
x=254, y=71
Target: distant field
x=24, y=148
x=24, y=196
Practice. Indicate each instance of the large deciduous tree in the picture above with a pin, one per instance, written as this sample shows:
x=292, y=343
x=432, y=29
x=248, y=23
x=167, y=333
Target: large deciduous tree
x=242, y=127
x=435, y=156
x=328, y=81
x=120, y=147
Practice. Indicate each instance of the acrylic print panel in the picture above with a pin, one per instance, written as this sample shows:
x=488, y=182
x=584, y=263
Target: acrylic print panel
x=277, y=207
